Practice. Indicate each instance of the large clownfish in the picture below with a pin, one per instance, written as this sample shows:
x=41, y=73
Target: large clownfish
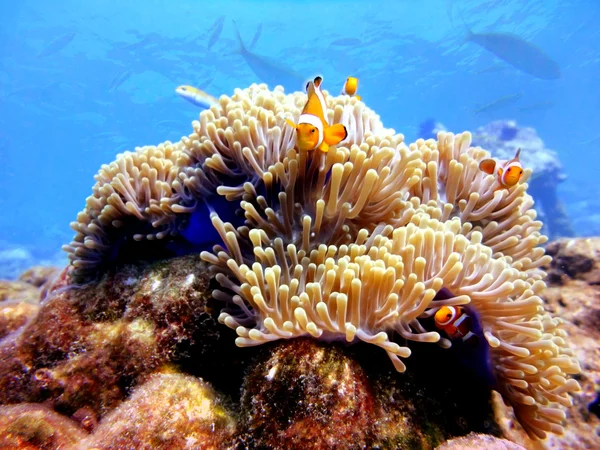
x=509, y=173
x=350, y=87
x=456, y=323
x=313, y=131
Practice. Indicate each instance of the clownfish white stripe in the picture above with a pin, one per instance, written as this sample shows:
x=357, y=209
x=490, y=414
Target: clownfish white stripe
x=315, y=122
x=322, y=102
x=460, y=320
x=468, y=336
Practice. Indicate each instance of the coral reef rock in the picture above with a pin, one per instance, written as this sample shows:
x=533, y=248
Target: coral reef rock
x=474, y=441
x=89, y=344
x=309, y=394
x=573, y=294
x=169, y=411
x=20, y=299
x=33, y=427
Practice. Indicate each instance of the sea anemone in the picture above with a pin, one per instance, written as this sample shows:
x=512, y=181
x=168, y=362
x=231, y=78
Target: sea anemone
x=354, y=244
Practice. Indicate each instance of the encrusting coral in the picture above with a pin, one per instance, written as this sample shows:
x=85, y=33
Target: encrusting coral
x=363, y=242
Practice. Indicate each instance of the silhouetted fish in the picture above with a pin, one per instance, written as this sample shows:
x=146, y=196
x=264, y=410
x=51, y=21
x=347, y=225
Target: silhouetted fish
x=216, y=28
x=489, y=69
x=518, y=53
x=345, y=42
x=119, y=79
x=270, y=71
x=498, y=104
x=256, y=36
x=57, y=44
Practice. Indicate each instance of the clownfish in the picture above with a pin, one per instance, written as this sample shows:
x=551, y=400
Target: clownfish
x=509, y=174
x=456, y=323
x=313, y=131
x=350, y=87
x=196, y=96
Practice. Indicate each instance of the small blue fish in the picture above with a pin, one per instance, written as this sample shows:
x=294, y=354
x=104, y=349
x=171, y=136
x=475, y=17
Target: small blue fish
x=268, y=70
x=256, y=36
x=197, y=97
x=119, y=79
x=57, y=45
x=216, y=28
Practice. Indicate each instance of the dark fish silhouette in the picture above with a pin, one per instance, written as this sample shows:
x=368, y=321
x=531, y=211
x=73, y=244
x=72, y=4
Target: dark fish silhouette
x=517, y=52
x=497, y=104
x=256, y=36
x=119, y=79
x=216, y=28
x=57, y=44
x=345, y=42
x=269, y=70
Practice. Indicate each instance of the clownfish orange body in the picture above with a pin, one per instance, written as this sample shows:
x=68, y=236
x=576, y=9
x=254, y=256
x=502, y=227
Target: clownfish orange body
x=313, y=131
x=456, y=323
x=509, y=174
x=350, y=87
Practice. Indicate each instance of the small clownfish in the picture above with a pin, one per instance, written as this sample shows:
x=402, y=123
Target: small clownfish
x=456, y=323
x=313, y=131
x=350, y=88
x=509, y=174
x=196, y=96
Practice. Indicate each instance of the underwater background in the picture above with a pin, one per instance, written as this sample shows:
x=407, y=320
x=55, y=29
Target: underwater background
x=80, y=83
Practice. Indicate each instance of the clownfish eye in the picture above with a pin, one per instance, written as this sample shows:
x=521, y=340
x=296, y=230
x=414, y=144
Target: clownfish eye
x=312, y=130
x=448, y=315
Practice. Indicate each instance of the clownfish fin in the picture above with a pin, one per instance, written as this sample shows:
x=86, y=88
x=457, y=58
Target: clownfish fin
x=487, y=166
x=324, y=147
x=359, y=98
x=291, y=124
x=500, y=172
x=335, y=134
x=516, y=158
x=318, y=80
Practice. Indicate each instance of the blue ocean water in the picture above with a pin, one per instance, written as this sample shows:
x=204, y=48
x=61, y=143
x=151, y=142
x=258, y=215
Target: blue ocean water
x=83, y=81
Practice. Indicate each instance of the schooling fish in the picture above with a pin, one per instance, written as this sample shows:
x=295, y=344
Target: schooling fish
x=350, y=87
x=256, y=36
x=509, y=173
x=345, y=42
x=517, y=52
x=498, y=103
x=313, y=130
x=216, y=29
x=269, y=70
x=196, y=96
x=119, y=79
x=57, y=45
